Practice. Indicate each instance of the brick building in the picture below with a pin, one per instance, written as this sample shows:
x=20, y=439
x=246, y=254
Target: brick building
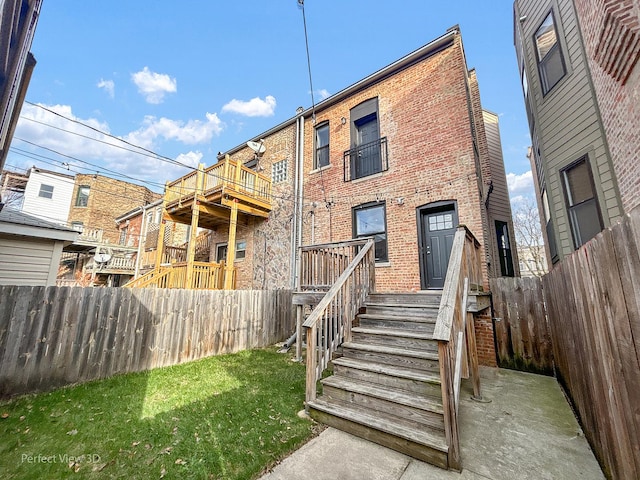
x=97, y=201
x=578, y=62
x=611, y=34
x=403, y=155
x=406, y=155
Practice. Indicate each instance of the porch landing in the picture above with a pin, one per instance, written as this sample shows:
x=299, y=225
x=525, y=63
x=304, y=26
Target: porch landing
x=528, y=431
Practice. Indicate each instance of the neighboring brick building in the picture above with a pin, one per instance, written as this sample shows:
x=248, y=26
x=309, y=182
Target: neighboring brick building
x=97, y=201
x=578, y=62
x=263, y=247
x=611, y=33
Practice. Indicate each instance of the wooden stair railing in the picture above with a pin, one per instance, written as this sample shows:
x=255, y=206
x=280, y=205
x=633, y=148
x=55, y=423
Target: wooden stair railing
x=206, y=276
x=455, y=334
x=330, y=322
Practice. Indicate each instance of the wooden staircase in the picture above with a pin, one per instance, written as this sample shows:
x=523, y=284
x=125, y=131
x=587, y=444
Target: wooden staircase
x=386, y=385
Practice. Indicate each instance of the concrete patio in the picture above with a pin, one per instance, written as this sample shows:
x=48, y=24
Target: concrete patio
x=527, y=431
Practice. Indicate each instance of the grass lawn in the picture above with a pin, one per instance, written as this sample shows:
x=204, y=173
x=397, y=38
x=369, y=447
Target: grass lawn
x=225, y=417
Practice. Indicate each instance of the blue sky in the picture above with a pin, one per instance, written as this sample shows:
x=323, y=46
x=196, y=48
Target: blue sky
x=191, y=78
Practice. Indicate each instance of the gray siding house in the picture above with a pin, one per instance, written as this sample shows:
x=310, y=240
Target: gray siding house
x=30, y=248
x=571, y=161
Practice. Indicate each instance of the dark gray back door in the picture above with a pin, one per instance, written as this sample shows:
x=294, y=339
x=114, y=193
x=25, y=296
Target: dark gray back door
x=438, y=229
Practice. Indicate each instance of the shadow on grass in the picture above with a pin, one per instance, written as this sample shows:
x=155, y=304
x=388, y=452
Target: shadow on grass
x=225, y=417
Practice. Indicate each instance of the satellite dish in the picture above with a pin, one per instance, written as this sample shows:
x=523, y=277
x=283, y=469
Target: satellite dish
x=257, y=147
x=102, y=257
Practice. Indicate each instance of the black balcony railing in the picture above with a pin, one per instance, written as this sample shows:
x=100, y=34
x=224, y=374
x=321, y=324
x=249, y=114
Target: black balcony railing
x=366, y=159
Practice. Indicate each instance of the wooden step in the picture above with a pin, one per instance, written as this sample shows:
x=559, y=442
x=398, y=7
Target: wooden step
x=394, y=338
x=426, y=298
x=425, y=324
x=411, y=380
x=399, y=356
x=417, y=443
x=407, y=408
x=402, y=309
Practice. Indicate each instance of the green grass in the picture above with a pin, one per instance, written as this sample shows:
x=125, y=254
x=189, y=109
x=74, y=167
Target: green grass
x=225, y=417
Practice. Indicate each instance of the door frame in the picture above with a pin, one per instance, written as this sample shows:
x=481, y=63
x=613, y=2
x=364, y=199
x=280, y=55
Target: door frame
x=421, y=213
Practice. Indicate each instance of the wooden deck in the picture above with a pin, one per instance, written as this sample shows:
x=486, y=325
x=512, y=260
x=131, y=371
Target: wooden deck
x=213, y=192
x=206, y=198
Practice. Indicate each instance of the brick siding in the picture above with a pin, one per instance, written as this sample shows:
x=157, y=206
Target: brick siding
x=615, y=72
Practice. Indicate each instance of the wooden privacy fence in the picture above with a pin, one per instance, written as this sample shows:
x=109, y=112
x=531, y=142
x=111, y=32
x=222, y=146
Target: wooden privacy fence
x=54, y=336
x=520, y=325
x=593, y=305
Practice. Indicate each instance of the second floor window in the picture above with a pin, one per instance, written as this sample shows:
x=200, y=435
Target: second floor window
x=322, y=146
x=550, y=62
x=46, y=191
x=82, y=199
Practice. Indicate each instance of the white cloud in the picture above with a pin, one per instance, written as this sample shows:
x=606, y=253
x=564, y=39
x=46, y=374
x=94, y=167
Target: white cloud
x=521, y=184
x=189, y=133
x=108, y=85
x=256, y=107
x=93, y=151
x=190, y=158
x=154, y=86
x=323, y=93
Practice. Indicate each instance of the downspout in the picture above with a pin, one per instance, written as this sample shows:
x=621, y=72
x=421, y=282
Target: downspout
x=300, y=196
x=294, y=220
x=142, y=239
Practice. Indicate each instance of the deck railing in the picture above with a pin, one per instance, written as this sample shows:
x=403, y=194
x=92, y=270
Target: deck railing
x=227, y=174
x=115, y=263
x=349, y=269
x=455, y=333
x=205, y=276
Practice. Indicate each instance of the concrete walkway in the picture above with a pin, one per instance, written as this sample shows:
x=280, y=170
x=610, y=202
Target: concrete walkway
x=528, y=431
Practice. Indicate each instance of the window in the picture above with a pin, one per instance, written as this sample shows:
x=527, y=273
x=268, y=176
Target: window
x=77, y=226
x=322, y=146
x=123, y=236
x=550, y=61
x=369, y=220
x=551, y=236
x=504, y=249
x=221, y=252
x=279, y=171
x=241, y=249
x=82, y=199
x=582, y=204
x=368, y=153
x=46, y=191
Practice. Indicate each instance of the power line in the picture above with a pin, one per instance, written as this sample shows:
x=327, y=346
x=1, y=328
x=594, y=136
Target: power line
x=100, y=168
x=150, y=152
x=306, y=41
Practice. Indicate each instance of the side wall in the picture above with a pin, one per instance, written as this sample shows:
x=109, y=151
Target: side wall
x=28, y=261
x=54, y=209
x=267, y=262
x=567, y=123
x=611, y=32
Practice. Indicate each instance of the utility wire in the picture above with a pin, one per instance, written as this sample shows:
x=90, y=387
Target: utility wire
x=306, y=41
x=150, y=152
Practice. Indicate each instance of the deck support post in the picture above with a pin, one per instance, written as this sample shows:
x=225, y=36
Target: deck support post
x=193, y=232
x=231, y=247
x=161, y=230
